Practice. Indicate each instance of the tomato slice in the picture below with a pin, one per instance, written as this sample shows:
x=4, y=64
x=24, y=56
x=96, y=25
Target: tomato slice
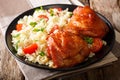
x=44, y=17
x=96, y=45
x=30, y=49
x=19, y=27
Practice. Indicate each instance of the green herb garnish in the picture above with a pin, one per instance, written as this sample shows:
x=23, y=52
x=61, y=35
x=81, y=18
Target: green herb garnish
x=42, y=29
x=89, y=40
x=40, y=8
x=16, y=45
x=71, y=14
x=15, y=36
x=33, y=24
x=51, y=12
x=36, y=30
x=42, y=53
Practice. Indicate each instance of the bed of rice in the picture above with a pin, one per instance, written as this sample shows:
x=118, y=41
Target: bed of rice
x=38, y=34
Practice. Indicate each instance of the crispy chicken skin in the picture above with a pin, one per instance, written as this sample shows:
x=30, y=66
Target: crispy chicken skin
x=66, y=49
x=87, y=23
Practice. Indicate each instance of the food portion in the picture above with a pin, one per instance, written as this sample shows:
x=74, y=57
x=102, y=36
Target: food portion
x=66, y=49
x=59, y=38
x=87, y=23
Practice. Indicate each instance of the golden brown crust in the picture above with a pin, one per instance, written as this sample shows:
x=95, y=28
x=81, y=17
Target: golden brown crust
x=66, y=46
x=66, y=49
x=88, y=23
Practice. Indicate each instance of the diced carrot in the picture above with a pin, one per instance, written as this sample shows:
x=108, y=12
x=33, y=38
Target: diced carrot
x=44, y=17
x=19, y=27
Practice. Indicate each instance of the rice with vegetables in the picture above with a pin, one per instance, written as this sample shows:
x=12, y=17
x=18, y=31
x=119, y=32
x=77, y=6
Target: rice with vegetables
x=29, y=38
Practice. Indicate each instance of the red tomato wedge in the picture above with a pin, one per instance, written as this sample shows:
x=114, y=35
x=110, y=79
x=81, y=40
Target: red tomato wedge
x=59, y=9
x=30, y=49
x=44, y=17
x=19, y=27
x=96, y=45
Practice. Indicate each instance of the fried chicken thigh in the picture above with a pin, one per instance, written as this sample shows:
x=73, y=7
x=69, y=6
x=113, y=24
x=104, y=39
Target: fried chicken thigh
x=66, y=49
x=87, y=23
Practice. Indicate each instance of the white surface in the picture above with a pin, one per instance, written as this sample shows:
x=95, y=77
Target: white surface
x=77, y=2
x=36, y=3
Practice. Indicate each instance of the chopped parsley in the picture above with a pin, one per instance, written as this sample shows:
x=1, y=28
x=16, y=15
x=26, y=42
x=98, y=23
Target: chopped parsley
x=42, y=53
x=15, y=36
x=40, y=8
x=33, y=24
x=42, y=29
x=89, y=40
x=71, y=14
x=36, y=29
x=51, y=12
x=16, y=45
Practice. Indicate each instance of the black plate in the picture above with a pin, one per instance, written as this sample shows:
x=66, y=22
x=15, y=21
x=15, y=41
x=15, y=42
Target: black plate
x=109, y=38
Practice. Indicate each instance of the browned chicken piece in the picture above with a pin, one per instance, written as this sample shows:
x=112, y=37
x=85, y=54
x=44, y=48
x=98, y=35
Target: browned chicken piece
x=66, y=49
x=87, y=23
x=66, y=46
